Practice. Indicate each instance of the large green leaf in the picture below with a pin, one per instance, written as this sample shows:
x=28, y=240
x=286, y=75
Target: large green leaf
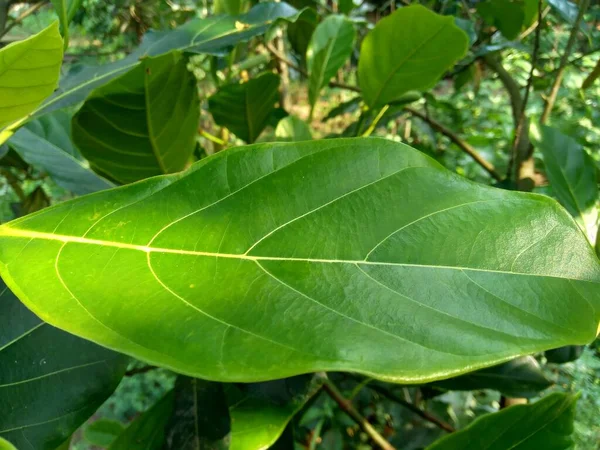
x=245, y=108
x=572, y=175
x=66, y=170
x=29, y=72
x=66, y=9
x=521, y=377
x=212, y=35
x=216, y=272
x=143, y=123
x=50, y=381
x=147, y=432
x=546, y=424
x=329, y=48
x=402, y=53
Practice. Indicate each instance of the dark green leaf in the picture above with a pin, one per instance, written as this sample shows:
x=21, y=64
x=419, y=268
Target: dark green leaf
x=546, y=424
x=329, y=48
x=50, y=381
x=402, y=53
x=56, y=129
x=572, y=175
x=343, y=108
x=103, y=432
x=292, y=129
x=564, y=354
x=215, y=272
x=506, y=15
x=143, y=123
x=300, y=32
x=521, y=377
x=147, y=432
x=565, y=9
x=212, y=35
x=245, y=108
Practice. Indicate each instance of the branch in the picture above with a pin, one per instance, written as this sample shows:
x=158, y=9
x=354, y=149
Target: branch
x=347, y=407
x=29, y=11
x=464, y=146
x=418, y=411
x=583, y=5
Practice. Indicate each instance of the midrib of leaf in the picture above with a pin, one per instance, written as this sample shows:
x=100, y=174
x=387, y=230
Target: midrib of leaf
x=14, y=232
x=18, y=338
x=57, y=372
x=46, y=422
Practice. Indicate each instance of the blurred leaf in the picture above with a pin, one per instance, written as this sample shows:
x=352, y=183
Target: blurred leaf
x=56, y=129
x=26, y=80
x=564, y=354
x=572, y=175
x=300, y=32
x=468, y=27
x=147, y=432
x=231, y=7
x=3, y=150
x=402, y=53
x=546, y=424
x=5, y=445
x=520, y=377
x=66, y=9
x=593, y=76
x=68, y=172
x=329, y=48
x=464, y=77
x=345, y=6
x=103, y=432
x=143, y=123
x=51, y=381
x=343, y=108
x=35, y=201
x=293, y=129
x=215, y=35
x=244, y=109
x=506, y=15
x=565, y=9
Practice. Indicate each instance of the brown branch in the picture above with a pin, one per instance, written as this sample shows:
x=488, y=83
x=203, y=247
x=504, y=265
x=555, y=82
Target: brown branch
x=418, y=411
x=29, y=11
x=349, y=409
x=463, y=145
x=583, y=5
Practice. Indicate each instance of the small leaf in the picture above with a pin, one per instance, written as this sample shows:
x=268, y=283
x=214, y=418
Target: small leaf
x=66, y=9
x=103, y=432
x=329, y=48
x=343, y=108
x=67, y=171
x=506, y=15
x=50, y=381
x=147, y=432
x=143, y=123
x=546, y=424
x=29, y=72
x=245, y=108
x=520, y=377
x=292, y=129
x=300, y=32
x=402, y=53
x=572, y=175
x=216, y=272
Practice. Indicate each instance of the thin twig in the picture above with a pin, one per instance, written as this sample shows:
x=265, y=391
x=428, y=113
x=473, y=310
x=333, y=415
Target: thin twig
x=583, y=5
x=349, y=409
x=29, y=11
x=464, y=146
x=139, y=370
x=418, y=411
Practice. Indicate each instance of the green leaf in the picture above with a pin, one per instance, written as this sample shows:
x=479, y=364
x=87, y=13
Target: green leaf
x=147, y=432
x=212, y=35
x=402, y=53
x=508, y=16
x=66, y=9
x=103, y=432
x=293, y=129
x=215, y=272
x=5, y=445
x=343, y=108
x=300, y=32
x=329, y=48
x=245, y=108
x=232, y=7
x=67, y=171
x=143, y=123
x=29, y=72
x=572, y=175
x=564, y=354
x=546, y=424
x=50, y=381
x=521, y=377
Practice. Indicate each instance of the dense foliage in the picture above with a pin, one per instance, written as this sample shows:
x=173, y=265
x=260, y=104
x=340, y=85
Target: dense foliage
x=241, y=225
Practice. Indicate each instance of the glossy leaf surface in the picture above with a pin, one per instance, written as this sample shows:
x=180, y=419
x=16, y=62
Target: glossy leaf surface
x=254, y=265
x=245, y=108
x=50, y=381
x=29, y=72
x=546, y=424
x=143, y=123
x=329, y=48
x=402, y=53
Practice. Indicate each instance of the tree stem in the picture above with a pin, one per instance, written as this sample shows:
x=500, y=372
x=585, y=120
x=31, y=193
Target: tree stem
x=349, y=409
